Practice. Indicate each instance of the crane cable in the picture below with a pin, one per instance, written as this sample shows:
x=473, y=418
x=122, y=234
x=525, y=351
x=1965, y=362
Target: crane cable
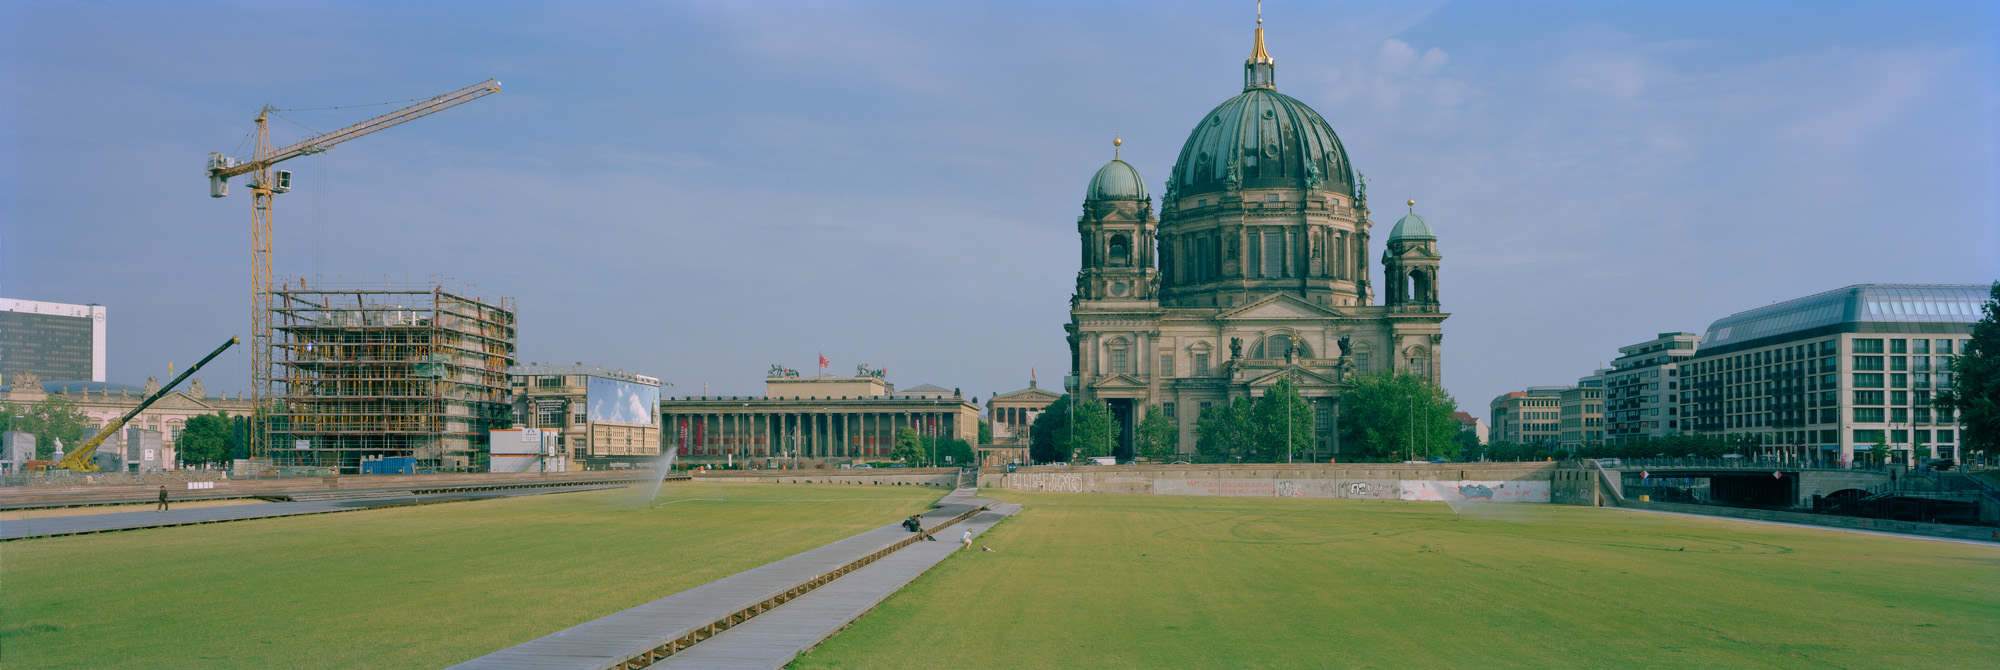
x=371, y=104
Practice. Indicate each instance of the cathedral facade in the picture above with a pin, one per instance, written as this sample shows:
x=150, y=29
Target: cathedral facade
x=1255, y=268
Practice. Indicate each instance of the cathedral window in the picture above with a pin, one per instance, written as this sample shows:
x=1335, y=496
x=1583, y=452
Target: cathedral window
x=1166, y=365
x=1274, y=255
x=1121, y=251
x=1278, y=347
x=1201, y=364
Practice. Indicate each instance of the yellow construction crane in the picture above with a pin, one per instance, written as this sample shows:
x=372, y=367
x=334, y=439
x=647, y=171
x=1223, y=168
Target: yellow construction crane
x=265, y=182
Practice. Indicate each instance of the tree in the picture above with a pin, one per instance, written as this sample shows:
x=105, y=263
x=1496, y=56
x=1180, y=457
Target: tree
x=952, y=451
x=1393, y=417
x=1158, y=438
x=909, y=446
x=1042, y=444
x=1975, y=384
x=205, y=439
x=1881, y=450
x=1226, y=430
x=985, y=432
x=1089, y=432
x=54, y=418
x=1273, y=440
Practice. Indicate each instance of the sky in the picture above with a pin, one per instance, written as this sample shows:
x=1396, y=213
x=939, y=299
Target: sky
x=697, y=191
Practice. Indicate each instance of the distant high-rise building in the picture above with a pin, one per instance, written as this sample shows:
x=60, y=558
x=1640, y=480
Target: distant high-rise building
x=1835, y=371
x=1582, y=411
x=53, y=340
x=1642, y=389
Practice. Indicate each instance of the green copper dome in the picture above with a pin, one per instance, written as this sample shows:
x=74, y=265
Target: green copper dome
x=1412, y=227
x=1261, y=139
x=1117, y=180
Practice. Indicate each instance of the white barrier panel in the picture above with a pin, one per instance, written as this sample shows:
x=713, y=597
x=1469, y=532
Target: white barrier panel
x=1367, y=489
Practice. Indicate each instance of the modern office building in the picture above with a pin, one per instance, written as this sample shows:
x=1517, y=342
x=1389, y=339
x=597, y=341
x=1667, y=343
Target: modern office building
x=1582, y=412
x=1533, y=416
x=599, y=416
x=1257, y=268
x=1830, y=373
x=813, y=421
x=53, y=340
x=1642, y=389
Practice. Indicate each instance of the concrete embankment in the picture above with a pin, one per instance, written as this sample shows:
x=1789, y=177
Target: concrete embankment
x=945, y=477
x=22, y=497
x=1451, y=482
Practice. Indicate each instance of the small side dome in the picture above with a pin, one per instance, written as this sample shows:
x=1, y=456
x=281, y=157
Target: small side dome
x=1412, y=227
x=1117, y=180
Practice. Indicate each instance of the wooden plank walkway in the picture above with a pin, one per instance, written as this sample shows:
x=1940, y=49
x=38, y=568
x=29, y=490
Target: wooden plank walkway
x=775, y=639
x=100, y=523
x=639, y=636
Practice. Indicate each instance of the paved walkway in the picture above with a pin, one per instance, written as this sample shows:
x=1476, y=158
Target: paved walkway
x=98, y=523
x=776, y=638
x=713, y=610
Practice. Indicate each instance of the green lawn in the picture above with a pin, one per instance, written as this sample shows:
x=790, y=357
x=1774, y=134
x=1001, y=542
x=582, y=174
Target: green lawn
x=412, y=587
x=1133, y=581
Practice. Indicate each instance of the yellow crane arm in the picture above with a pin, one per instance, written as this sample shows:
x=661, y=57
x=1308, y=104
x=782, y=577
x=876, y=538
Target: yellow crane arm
x=78, y=459
x=321, y=143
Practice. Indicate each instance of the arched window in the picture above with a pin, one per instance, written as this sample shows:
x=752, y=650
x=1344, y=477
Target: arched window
x=1277, y=345
x=1121, y=251
x=1420, y=286
x=1121, y=360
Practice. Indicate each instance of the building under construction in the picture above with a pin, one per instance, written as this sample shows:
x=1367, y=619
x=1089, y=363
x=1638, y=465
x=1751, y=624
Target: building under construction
x=366, y=373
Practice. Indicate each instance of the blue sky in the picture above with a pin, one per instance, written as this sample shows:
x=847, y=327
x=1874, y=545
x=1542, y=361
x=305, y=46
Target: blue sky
x=697, y=191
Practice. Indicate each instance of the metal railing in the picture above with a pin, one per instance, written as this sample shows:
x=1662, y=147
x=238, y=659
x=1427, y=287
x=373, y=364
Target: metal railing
x=1741, y=464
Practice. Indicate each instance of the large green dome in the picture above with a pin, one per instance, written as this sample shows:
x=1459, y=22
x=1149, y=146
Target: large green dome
x=1262, y=139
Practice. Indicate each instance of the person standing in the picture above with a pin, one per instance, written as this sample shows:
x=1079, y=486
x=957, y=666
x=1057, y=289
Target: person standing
x=163, y=499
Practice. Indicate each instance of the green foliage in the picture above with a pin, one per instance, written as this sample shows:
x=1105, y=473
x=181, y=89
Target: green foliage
x=1158, y=438
x=1090, y=431
x=205, y=439
x=54, y=418
x=1673, y=446
x=909, y=446
x=1224, y=430
x=1395, y=417
x=985, y=432
x=1975, y=385
x=951, y=451
x=1881, y=451
x=1043, y=447
x=1274, y=440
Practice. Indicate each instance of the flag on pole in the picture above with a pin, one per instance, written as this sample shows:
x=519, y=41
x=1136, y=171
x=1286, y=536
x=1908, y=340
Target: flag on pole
x=822, y=360
x=1031, y=374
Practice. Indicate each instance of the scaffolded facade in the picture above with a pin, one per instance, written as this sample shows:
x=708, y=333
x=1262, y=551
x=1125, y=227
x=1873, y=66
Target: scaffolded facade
x=400, y=371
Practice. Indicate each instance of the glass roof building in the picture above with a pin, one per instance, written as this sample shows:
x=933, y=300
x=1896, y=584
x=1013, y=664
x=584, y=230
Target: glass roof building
x=1823, y=376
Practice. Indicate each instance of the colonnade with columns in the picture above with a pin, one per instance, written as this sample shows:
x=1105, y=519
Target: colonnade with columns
x=749, y=432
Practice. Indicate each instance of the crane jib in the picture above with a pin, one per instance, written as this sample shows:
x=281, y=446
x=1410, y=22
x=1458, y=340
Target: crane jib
x=321, y=143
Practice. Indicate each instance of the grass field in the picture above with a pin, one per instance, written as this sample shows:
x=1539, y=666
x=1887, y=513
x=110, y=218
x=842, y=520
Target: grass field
x=1131, y=581
x=410, y=587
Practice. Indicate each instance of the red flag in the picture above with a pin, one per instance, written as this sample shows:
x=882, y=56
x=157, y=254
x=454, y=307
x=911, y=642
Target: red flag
x=1031, y=374
x=822, y=360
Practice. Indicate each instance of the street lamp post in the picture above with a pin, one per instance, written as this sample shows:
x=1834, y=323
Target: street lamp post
x=1410, y=447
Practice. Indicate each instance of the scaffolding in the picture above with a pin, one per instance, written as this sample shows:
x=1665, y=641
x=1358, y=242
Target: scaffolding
x=368, y=371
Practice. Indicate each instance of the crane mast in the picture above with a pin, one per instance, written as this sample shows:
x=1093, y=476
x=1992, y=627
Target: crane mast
x=265, y=182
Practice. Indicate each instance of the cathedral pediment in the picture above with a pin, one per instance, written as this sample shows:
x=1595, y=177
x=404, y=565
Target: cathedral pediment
x=1117, y=381
x=1279, y=307
x=1299, y=376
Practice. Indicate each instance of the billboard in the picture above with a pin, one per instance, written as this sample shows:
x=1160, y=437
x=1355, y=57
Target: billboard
x=622, y=402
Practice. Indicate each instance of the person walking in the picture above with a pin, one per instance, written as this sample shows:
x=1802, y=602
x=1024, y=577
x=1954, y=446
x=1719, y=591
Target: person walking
x=163, y=499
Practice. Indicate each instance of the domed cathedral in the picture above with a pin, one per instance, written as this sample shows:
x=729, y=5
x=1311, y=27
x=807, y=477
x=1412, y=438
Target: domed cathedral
x=1255, y=269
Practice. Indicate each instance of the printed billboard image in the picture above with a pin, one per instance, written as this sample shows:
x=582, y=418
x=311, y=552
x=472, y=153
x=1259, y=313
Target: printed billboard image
x=622, y=402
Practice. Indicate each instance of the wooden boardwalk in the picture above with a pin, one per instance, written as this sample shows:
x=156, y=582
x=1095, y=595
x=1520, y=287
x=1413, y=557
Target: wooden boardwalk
x=100, y=523
x=640, y=636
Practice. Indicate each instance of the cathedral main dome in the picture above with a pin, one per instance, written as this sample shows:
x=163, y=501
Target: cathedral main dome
x=1261, y=139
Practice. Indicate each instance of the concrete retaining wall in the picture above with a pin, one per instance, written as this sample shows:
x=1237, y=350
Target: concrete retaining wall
x=946, y=477
x=1495, y=482
x=1829, y=521
x=17, y=497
